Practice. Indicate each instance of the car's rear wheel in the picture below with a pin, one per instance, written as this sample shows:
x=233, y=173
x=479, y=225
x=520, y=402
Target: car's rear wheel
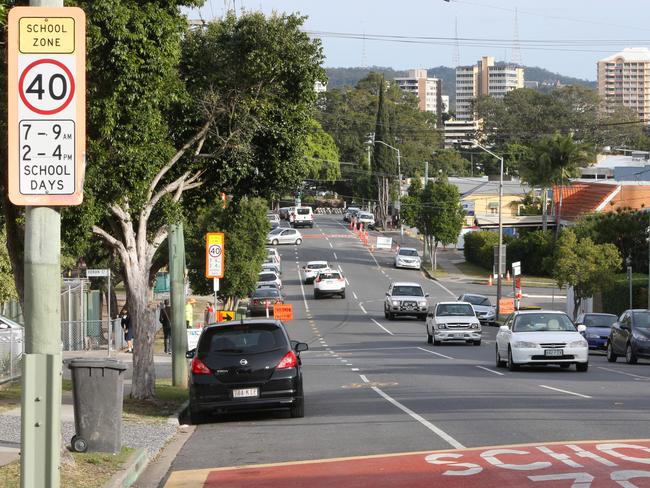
x=611, y=355
x=500, y=363
x=630, y=357
x=298, y=409
x=298, y=241
x=316, y=294
x=582, y=367
x=512, y=366
x=275, y=242
x=343, y=294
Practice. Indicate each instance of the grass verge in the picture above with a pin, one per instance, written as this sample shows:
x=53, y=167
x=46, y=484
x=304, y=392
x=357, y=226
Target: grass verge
x=10, y=394
x=168, y=400
x=92, y=470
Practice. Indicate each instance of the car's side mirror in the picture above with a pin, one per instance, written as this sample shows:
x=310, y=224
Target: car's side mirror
x=304, y=267
x=476, y=312
x=504, y=328
x=387, y=294
x=301, y=346
x=426, y=295
x=190, y=354
x=582, y=328
x=431, y=315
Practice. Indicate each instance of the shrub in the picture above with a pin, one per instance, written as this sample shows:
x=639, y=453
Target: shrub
x=533, y=250
x=479, y=248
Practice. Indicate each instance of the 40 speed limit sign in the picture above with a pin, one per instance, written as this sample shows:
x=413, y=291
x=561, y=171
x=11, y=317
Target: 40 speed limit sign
x=214, y=254
x=46, y=105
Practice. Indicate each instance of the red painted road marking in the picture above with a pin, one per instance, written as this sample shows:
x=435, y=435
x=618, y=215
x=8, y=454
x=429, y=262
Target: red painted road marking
x=592, y=464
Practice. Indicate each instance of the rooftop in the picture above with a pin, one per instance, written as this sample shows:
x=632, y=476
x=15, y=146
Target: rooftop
x=630, y=54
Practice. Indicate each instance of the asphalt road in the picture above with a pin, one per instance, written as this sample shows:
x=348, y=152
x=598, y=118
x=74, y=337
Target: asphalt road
x=374, y=386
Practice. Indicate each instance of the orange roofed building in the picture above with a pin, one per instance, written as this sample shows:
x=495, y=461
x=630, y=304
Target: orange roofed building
x=582, y=197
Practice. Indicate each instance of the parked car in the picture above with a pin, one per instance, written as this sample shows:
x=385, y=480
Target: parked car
x=540, y=338
x=266, y=277
x=349, y=213
x=262, y=299
x=271, y=267
x=284, y=212
x=312, y=268
x=329, y=282
x=405, y=298
x=262, y=286
x=367, y=219
x=453, y=321
x=599, y=326
x=273, y=252
x=485, y=312
x=244, y=366
x=407, y=257
x=282, y=235
x=304, y=217
x=274, y=220
x=630, y=336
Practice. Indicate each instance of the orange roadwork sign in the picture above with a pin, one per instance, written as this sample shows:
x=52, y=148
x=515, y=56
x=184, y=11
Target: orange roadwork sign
x=283, y=311
x=506, y=305
x=225, y=315
x=46, y=109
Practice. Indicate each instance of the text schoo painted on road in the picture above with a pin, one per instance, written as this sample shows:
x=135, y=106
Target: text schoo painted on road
x=571, y=465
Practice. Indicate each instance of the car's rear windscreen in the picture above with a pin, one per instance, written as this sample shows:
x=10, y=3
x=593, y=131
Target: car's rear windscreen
x=242, y=339
x=303, y=211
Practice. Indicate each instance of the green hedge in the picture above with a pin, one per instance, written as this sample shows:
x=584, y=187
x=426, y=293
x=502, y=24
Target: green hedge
x=479, y=248
x=616, y=297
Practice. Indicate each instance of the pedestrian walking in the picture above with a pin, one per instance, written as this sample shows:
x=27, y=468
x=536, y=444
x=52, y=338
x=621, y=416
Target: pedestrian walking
x=292, y=218
x=208, y=314
x=128, y=329
x=165, y=320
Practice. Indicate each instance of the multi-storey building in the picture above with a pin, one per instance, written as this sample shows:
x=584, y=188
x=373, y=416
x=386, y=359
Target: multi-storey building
x=484, y=78
x=624, y=79
x=428, y=90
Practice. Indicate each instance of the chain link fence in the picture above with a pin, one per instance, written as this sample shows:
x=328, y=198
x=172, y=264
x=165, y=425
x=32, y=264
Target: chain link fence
x=89, y=335
x=11, y=354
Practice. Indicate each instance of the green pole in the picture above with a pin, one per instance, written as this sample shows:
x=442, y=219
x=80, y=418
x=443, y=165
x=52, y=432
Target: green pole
x=177, y=295
x=41, y=379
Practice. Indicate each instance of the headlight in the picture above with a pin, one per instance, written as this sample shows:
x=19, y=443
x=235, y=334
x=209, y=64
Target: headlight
x=474, y=326
x=441, y=326
x=395, y=303
x=580, y=343
x=526, y=345
x=422, y=303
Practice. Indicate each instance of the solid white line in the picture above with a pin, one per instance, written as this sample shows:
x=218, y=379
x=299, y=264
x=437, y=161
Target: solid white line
x=565, y=391
x=347, y=282
x=363, y=377
x=361, y=307
x=626, y=374
x=444, y=287
x=354, y=295
x=335, y=256
x=490, y=370
x=388, y=331
x=330, y=244
x=436, y=430
x=355, y=369
x=302, y=289
x=433, y=352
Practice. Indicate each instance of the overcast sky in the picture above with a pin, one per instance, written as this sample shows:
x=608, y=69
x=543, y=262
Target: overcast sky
x=565, y=36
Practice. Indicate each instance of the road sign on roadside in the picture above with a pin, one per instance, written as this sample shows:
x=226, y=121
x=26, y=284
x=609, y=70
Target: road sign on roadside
x=384, y=242
x=96, y=273
x=214, y=254
x=225, y=315
x=516, y=268
x=46, y=105
x=283, y=311
x=506, y=306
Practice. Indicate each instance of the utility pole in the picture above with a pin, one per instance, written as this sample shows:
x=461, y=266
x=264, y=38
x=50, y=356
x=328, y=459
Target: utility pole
x=399, y=197
x=177, y=295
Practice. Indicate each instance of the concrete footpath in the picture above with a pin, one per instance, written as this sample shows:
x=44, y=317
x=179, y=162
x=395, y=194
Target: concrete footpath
x=149, y=437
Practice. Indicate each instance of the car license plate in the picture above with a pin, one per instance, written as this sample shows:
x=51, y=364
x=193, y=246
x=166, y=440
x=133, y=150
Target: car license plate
x=245, y=393
x=553, y=352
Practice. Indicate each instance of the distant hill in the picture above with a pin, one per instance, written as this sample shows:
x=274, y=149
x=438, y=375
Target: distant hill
x=547, y=80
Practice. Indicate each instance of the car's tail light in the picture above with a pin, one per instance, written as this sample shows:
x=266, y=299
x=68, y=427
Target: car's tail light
x=342, y=280
x=288, y=361
x=198, y=367
x=318, y=280
x=255, y=302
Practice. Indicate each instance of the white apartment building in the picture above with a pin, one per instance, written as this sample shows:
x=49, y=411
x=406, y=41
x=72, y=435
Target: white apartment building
x=428, y=90
x=484, y=78
x=624, y=79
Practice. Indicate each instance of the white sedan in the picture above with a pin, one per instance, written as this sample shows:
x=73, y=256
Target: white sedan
x=312, y=269
x=407, y=257
x=541, y=337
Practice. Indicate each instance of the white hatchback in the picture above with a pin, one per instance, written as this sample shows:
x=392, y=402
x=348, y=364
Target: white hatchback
x=329, y=282
x=312, y=269
x=541, y=337
x=269, y=278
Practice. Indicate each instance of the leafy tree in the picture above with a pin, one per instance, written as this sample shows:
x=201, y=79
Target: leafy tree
x=322, y=154
x=245, y=227
x=7, y=283
x=448, y=162
x=384, y=164
x=583, y=265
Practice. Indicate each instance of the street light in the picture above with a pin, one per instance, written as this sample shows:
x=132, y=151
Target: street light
x=399, y=188
x=500, y=256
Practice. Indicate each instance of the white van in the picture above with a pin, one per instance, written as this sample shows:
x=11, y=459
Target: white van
x=304, y=217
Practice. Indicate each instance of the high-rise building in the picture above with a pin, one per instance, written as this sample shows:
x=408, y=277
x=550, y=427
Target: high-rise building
x=428, y=90
x=481, y=79
x=624, y=79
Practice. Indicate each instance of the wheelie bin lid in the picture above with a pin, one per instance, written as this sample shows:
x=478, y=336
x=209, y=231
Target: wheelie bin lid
x=96, y=363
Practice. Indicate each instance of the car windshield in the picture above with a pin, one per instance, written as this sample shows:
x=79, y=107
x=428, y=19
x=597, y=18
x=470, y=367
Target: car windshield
x=366, y=216
x=408, y=252
x=599, y=320
x=642, y=320
x=242, y=339
x=329, y=275
x=408, y=291
x=317, y=266
x=277, y=230
x=303, y=211
x=266, y=293
x=267, y=277
x=454, y=309
x=477, y=300
x=541, y=322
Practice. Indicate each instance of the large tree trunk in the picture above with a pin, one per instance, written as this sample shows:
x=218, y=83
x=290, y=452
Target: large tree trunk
x=559, y=214
x=544, y=210
x=142, y=315
x=435, y=254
